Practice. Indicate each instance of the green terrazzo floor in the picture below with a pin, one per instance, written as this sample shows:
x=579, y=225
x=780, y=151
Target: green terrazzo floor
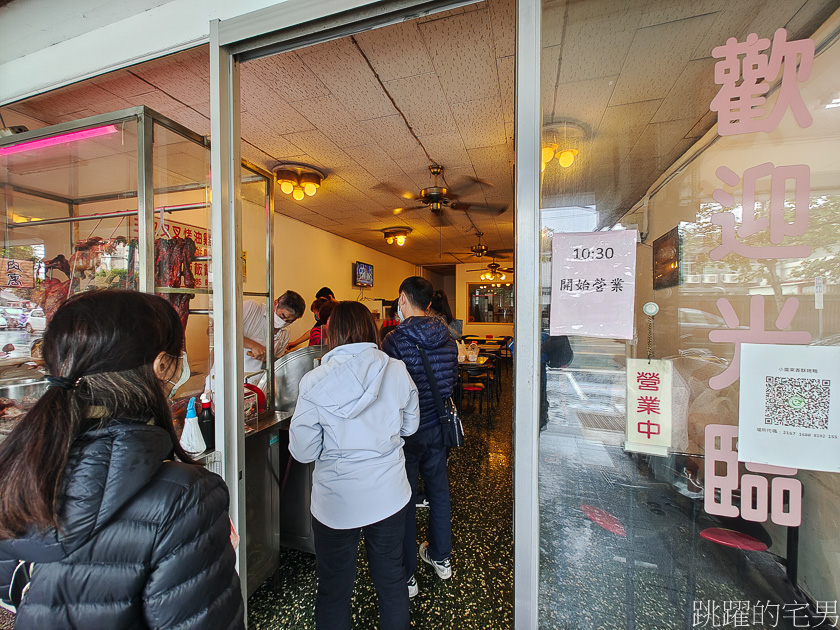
x=480, y=593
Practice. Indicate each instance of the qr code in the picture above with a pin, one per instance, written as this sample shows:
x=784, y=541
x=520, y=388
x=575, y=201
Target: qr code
x=797, y=402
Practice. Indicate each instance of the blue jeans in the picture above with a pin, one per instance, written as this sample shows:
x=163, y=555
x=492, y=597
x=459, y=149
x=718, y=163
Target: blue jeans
x=335, y=557
x=426, y=455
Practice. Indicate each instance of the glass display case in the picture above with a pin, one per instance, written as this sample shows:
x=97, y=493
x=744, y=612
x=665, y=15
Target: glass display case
x=119, y=200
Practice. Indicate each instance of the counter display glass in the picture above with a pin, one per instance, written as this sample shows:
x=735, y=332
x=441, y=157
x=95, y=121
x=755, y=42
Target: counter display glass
x=112, y=201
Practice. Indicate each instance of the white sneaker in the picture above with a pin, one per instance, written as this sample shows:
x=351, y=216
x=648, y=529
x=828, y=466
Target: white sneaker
x=413, y=589
x=443, y=568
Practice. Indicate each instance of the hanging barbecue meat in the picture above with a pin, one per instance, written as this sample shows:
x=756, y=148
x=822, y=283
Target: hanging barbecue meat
x=87, y=257
x=173, y=261
x=52, y=293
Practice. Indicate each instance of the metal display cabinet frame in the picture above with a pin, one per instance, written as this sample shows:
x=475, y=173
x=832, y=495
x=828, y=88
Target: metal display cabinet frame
x=146, y=119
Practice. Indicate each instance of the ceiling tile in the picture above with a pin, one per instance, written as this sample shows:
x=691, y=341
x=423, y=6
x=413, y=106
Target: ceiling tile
x=462, y=50
x=657, y=58
x=691, y=94
x=658, y=13
x=480, y=122
x=260, y=102
x=392, y=135
x=503, y=21
x=339, y=65
x=290, y=77
x=182, y=81
x=494, y=165
x=506, y=68
x=328, y=115
x=375, y=161
x=424, y=103
x=397, y=51
x=447, y=149
x=581, y=102
x=440, y=15
x=594, y=46
x=123, y=84
x=320, y=147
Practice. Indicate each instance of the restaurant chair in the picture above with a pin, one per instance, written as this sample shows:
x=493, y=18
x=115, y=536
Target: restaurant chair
x=505, y=353
x=477, y=382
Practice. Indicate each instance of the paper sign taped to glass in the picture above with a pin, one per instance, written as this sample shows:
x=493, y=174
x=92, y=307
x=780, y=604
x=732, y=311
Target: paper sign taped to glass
x=593, y=284
x=789, y=409
x=649, y=388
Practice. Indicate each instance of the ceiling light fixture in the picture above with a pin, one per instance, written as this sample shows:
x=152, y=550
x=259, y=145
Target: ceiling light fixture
x=560, y=140
x=298, y=180
x=397, y=234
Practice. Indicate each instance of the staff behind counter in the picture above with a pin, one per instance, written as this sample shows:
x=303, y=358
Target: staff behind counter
x=288, y=308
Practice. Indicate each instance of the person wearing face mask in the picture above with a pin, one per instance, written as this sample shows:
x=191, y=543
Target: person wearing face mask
x=287, y=308
x=425, y=454
x=124, y=529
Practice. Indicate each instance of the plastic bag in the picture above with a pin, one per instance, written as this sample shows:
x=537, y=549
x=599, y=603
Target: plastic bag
x=191, y=440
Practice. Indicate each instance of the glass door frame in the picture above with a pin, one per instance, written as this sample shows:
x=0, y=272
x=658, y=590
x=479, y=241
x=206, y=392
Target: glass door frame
x=297, y=23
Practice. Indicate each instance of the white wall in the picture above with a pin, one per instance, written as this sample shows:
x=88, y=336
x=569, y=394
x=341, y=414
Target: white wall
x=307, y=258
x=107, y=36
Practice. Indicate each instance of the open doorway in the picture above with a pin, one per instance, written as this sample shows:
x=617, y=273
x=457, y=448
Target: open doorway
x=409, y=131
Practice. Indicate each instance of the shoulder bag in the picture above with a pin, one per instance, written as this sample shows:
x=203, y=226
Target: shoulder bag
x=450, y=423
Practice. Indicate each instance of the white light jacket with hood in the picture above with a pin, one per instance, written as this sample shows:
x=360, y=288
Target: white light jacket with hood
x=350, y=417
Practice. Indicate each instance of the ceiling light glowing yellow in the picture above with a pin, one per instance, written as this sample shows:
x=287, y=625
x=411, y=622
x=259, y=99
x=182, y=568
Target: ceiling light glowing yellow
x=397, y=234
x=566, y=157
x=298, y=180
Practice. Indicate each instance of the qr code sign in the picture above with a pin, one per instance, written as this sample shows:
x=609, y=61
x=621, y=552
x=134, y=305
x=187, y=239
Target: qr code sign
x=797, y=402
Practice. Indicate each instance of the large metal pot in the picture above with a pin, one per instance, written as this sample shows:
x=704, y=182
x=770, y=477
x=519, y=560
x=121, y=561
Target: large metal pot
x=17, y=389
x=288, y=370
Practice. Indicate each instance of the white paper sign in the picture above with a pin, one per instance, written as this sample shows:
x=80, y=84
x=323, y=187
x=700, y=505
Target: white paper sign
x=789, y=412
x=818, y=292
x=648, y=406
x=593, y=284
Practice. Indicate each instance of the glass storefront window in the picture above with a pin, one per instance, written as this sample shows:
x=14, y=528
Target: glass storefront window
x=737, y=244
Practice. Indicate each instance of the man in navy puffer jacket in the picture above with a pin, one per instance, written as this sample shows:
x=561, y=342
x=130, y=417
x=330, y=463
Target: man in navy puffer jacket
x=424, y=451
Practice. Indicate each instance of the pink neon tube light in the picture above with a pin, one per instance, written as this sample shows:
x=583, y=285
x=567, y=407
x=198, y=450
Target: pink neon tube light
x=52, y=141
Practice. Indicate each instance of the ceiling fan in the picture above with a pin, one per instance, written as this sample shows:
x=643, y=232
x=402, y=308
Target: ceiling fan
x=493, y=272
x=437, y=198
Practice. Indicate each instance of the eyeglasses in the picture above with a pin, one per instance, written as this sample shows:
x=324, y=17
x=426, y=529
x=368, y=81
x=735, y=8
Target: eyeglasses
x=285, y=315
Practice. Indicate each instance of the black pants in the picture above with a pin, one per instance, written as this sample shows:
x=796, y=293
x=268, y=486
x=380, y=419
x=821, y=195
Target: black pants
x=425, y=455
x=336, y=551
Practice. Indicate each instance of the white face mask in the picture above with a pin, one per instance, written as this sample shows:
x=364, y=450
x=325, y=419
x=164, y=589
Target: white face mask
x=183, y=377
x=279, y=322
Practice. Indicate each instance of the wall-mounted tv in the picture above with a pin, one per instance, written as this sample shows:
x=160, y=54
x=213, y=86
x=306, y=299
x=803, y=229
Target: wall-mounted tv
x=362, y=274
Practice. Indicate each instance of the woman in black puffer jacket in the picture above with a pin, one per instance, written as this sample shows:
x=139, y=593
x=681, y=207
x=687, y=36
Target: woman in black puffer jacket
x=121, y=536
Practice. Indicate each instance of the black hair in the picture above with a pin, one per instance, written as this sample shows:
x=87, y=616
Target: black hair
x=99, y=349
x=418, y=291
x=292, y=301
x=325, y=292
x=440, y=305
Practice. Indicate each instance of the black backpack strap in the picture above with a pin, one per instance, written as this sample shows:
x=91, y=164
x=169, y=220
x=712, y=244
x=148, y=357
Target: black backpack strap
x=441, y=408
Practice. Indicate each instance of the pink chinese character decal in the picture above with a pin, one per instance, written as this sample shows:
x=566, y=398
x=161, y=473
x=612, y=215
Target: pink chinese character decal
x=751, y=224
x=743, y=74
x=760, y=497
x=755, y=334
x=648, y=381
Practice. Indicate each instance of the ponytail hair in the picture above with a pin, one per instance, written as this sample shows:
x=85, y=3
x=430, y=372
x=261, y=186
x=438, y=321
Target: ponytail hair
x=99, y=349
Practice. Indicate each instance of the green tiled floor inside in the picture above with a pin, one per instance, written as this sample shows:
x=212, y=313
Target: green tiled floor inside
x=479, y=594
